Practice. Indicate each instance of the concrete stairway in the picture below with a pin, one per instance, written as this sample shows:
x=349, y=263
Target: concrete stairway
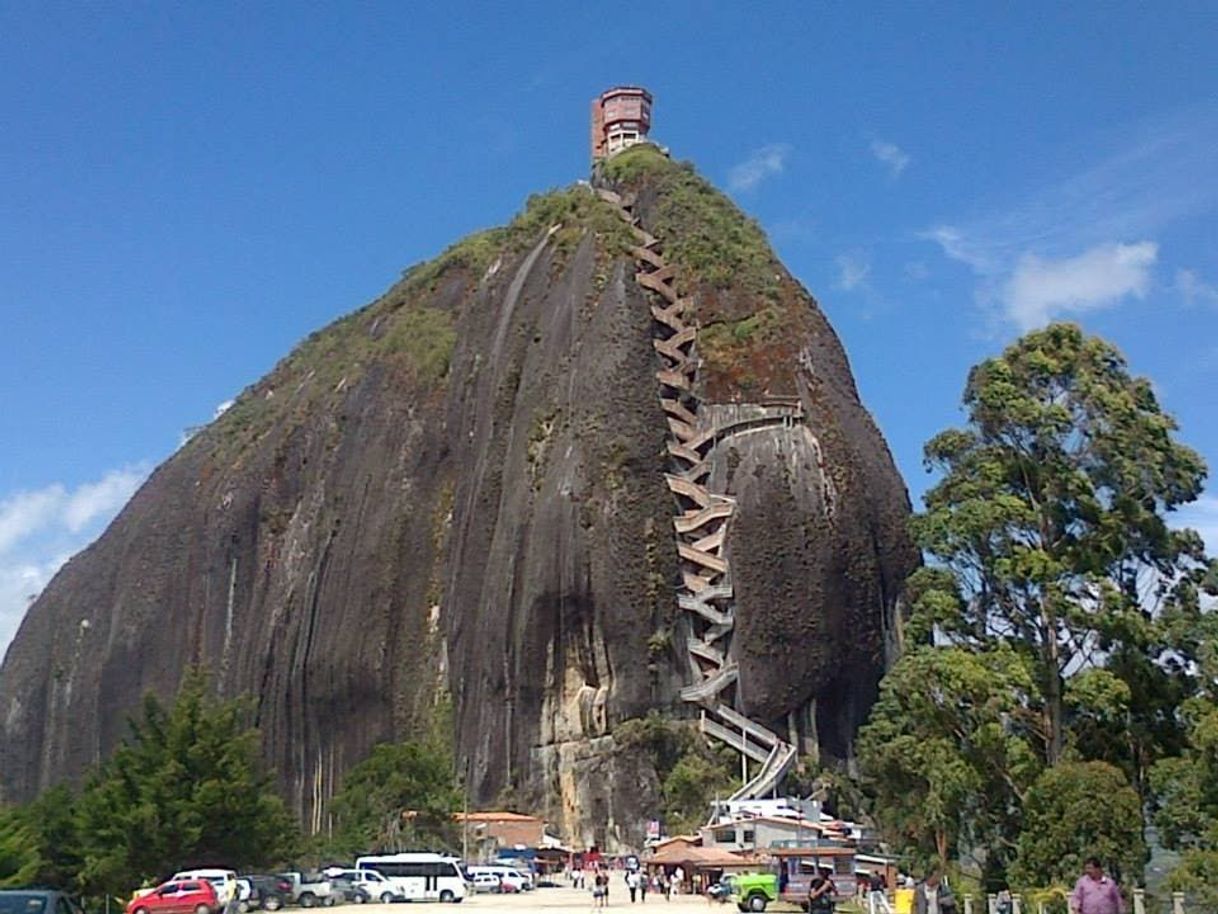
x=701, y=524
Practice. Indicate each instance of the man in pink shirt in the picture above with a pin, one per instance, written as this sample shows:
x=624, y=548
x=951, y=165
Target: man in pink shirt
x=1095, y=893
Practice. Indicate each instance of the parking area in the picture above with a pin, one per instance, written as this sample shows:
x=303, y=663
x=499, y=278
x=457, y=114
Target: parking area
x=558, y=901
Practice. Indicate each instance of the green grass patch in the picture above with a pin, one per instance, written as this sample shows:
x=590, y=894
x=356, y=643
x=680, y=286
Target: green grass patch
x=703, y=232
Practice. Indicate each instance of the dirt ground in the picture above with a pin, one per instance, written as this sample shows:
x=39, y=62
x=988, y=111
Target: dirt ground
x=567, y=901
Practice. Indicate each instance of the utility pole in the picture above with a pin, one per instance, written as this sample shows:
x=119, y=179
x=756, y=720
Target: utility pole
x=465, y=814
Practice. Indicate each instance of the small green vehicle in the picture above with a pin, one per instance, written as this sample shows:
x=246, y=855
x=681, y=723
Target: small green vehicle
x=753, y=891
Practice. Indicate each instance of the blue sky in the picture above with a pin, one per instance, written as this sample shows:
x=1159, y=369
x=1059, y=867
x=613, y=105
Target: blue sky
x=188, y=189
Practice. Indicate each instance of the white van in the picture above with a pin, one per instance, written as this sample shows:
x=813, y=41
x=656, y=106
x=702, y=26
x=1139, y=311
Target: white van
x=419, y=877
x=223, y=881
x=508, y=875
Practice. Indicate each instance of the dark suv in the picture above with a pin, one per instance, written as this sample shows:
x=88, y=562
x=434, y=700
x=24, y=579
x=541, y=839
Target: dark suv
x=270, y=893
x=36, y=901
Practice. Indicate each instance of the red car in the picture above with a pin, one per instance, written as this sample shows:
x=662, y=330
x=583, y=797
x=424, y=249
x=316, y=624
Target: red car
x=189, y=896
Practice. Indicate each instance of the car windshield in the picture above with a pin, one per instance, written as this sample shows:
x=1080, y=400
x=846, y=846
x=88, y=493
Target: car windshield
x=22, y=903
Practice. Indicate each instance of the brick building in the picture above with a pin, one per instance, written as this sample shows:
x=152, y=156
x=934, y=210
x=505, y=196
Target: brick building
x=621, y=117
x=489, y=831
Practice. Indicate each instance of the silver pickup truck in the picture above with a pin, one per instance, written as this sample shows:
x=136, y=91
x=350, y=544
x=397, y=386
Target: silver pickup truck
x=309, y=889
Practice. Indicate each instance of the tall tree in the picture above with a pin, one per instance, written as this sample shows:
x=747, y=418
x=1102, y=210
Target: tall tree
x=403, y=796
x=1051, y=513
x=185, y=789
x=18, y=854
x=947, y=752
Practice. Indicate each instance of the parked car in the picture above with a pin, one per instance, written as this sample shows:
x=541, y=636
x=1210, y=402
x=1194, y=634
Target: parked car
x=266, y=893
x=344, y=890
x=180, y=896
x=376, y=886
x=309, y=889
x=485, y=882
x=36, y=901
x=223, y=881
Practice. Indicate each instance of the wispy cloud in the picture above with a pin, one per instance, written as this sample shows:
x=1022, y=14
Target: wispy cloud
x=1195, y=290
x=852, y=271
x=761, y=164
x=42, y=528
x=1041, y=289
x=892, y=156
x=1046, y=254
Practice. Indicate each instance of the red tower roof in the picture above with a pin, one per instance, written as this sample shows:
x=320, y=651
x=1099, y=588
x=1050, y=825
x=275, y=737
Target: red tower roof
x=621, y=117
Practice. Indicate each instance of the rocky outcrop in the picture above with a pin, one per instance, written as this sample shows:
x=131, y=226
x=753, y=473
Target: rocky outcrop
x=461, y=487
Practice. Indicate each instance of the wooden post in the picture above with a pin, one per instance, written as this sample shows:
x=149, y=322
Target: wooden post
x=1016, y=904
x=1177, y=903
x=968, y=904
x=991, y=903
x=1040, y=907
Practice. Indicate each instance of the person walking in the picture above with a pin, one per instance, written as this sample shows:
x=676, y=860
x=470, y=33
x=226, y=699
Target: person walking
x=632, y=884
x=933, y=896
x=644, y=879
x=877, y=895
x=1095, y=892
x=821, y=892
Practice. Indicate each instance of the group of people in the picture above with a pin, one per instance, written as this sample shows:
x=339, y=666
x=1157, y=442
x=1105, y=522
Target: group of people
x=1094, y=893
x=638, y=884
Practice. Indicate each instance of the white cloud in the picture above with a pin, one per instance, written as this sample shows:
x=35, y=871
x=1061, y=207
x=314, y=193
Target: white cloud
x=1202, y=516
x=103, y=498
x=29, y=512
x=1026, y=254
x=1195, y=290
x=853, y=270
x=1041, y=289
x=761, y=164
x=890, y=155
x=957, y=247
x=42, y=528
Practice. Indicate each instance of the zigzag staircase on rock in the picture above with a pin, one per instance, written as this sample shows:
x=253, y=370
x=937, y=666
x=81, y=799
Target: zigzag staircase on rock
x=701, y=524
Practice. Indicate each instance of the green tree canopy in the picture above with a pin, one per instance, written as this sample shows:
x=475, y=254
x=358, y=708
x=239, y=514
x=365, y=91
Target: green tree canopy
x=18, y=855
x=947, y=752
x=185, y=789
x=402, y=797
x=1048, y=527
x=1073, y=811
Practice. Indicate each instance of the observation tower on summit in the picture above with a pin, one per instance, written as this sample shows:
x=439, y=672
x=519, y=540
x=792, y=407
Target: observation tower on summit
x=621, y=117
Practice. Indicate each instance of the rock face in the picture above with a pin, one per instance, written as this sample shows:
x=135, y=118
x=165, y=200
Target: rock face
x=461, y=487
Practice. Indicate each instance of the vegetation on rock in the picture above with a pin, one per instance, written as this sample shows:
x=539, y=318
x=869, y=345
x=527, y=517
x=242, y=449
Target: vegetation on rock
x=690, y=771
x=403, y=796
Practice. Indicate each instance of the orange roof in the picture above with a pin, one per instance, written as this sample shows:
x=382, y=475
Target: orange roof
x=495, y=816
x=685, y=839
x=706, y=857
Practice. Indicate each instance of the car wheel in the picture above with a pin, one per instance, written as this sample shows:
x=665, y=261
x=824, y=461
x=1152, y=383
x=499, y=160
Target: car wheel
x=387, y=898
x=272, y=902
x=202, y=909
x=357, y=898
x=447, y=897
x=329, y=901
x=140, y=911
x=308, y=900
x=757, y=902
